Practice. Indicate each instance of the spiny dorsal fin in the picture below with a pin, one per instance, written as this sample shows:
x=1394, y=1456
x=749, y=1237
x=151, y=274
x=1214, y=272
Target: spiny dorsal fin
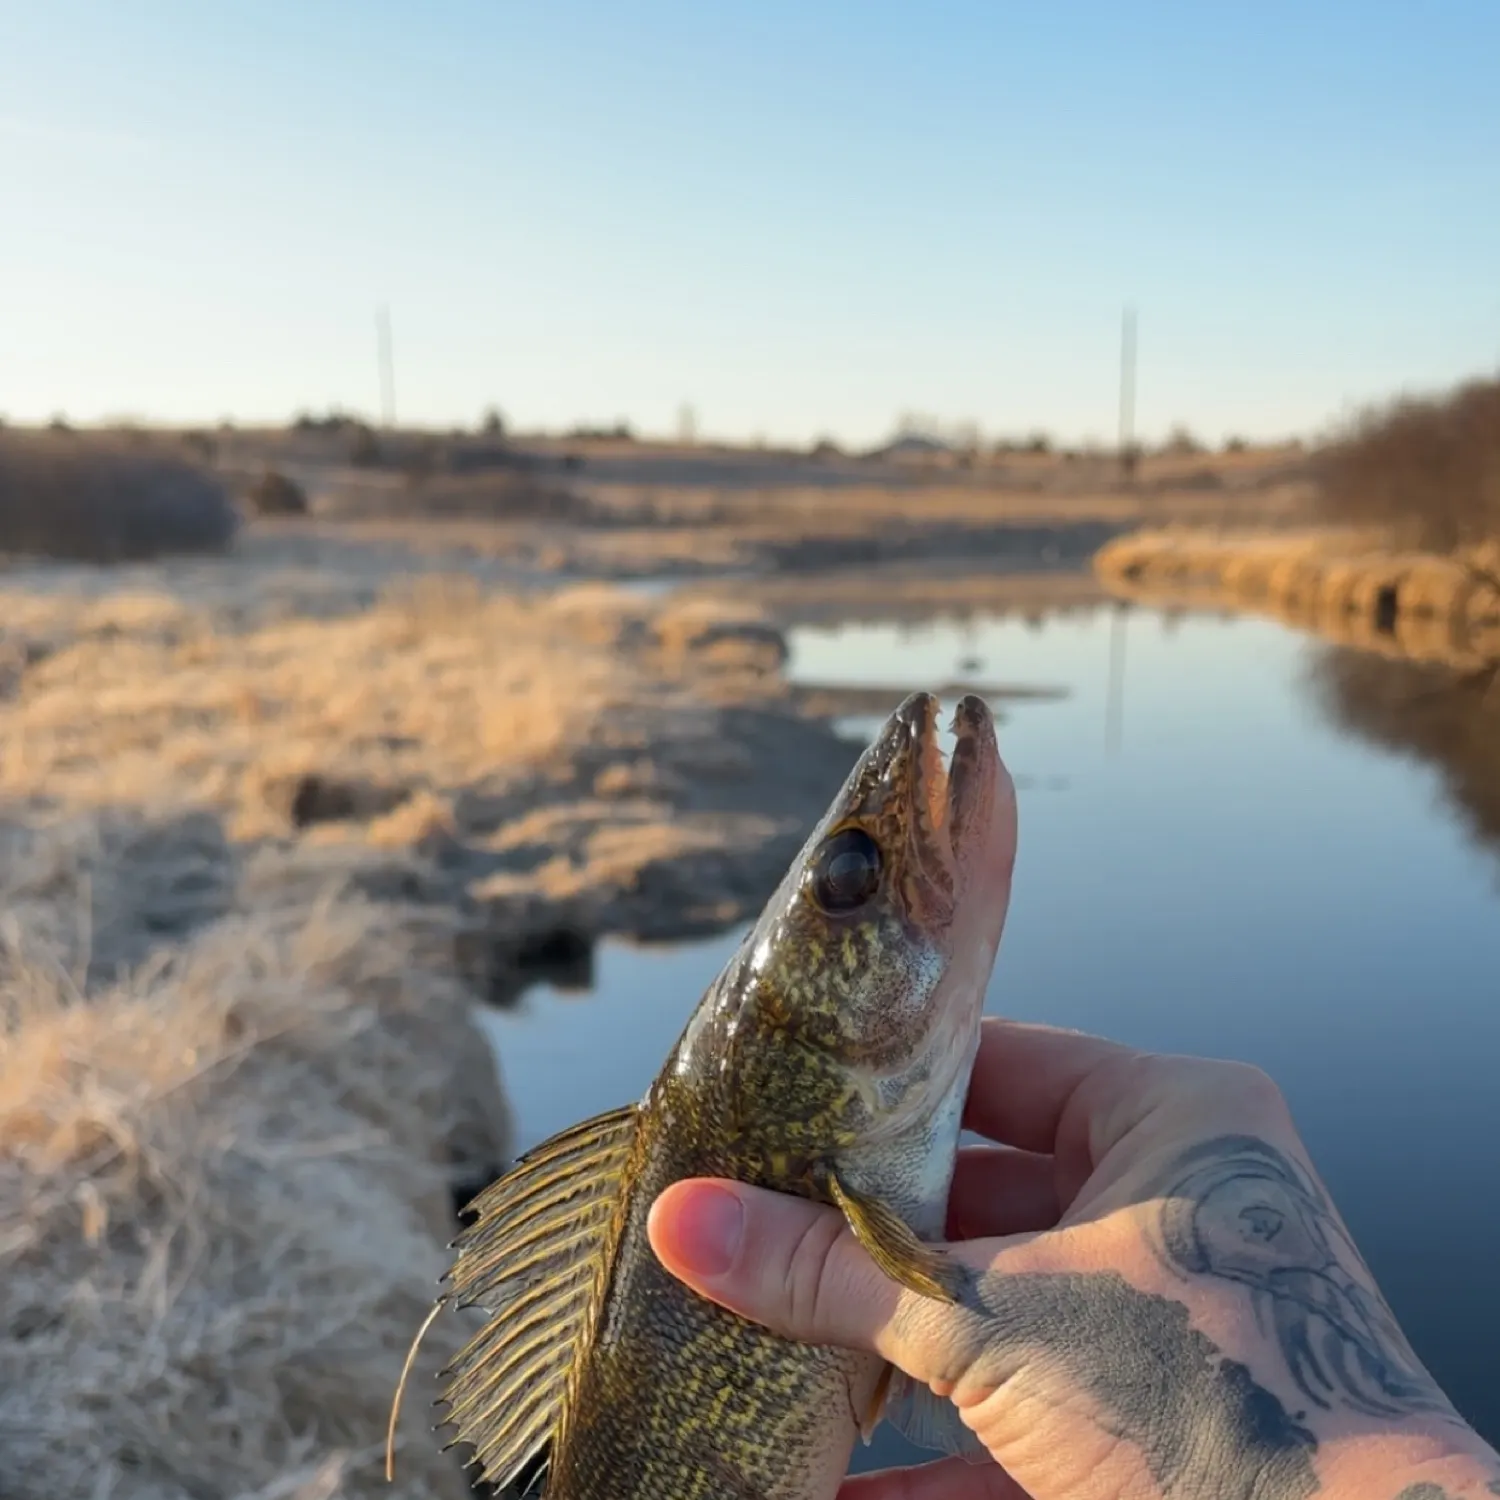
x=534, y=1259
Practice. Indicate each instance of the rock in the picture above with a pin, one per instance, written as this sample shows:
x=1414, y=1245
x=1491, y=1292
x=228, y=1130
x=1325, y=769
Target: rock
x=307, y=798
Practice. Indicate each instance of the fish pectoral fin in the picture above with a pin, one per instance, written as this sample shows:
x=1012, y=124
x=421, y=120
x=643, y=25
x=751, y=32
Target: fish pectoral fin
x=876, y=1410
x=930, y=1421
x=894, y=1247
x=534, y=1258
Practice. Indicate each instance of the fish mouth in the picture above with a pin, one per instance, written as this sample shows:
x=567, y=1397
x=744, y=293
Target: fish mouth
x=950, y=799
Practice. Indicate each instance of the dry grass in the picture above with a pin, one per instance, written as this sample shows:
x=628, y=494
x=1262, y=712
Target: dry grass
x=618, y=509
x=1348, y=586
x=488, y=498
x=265, y=823
x=1427, y=469
x=138, y=693
x=221, y=1180
x=419, y=738
x=107, y=498
x=1255, y=563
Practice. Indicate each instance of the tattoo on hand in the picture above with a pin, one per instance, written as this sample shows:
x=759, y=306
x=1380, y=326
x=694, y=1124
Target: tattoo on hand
x=1206, y=1429
x=1238, y=1209
x=1241, y=1211
x=1438, y=1492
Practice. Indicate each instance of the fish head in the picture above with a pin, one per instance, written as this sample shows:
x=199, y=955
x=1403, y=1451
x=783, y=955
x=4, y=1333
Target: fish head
x=877, y=948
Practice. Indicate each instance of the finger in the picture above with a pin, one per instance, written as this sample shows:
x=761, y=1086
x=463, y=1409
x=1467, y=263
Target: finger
x=782, y=1261
x=998, y=1190
x=945, y=1479
x=1025, y=1076
x=794, y=1267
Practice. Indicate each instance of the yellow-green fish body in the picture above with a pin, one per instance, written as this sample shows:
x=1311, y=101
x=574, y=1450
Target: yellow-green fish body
x=829, y=1059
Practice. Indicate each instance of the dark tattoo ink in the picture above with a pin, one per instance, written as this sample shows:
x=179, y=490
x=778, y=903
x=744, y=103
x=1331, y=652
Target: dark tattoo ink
x=1238, y=1209
x=1428, y=1491
x=1206, y=1429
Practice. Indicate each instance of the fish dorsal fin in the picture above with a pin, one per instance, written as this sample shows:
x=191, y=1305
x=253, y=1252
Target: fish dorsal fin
x=536, y=1259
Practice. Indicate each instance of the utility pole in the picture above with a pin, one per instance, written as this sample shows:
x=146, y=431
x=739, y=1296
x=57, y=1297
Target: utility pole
x=387, y=367
x=1127, y=392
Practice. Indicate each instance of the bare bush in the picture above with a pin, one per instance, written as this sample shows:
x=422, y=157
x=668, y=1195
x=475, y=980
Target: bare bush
x=273, y=494
x=66, y=495
x=1427, y=468
x=1181, y=443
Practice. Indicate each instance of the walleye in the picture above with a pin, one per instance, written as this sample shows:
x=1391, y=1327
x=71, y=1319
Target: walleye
x=830, y=1059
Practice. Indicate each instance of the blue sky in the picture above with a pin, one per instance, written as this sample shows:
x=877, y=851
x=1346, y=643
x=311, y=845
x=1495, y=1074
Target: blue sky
x=800, y=217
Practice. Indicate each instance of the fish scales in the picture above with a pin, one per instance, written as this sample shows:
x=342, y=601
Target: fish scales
x=747, y=1413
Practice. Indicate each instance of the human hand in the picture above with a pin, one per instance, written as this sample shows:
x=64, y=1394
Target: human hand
x=1160, y=1298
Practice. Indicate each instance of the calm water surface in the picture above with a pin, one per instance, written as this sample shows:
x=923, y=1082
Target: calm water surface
x=1233, y=842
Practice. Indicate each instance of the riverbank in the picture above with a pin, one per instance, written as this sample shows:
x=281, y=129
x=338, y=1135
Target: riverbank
x=801, y=529
x=276, y=822
x=270, y=833
x=611, y=508
x=222, y=1172
x=1346, y=585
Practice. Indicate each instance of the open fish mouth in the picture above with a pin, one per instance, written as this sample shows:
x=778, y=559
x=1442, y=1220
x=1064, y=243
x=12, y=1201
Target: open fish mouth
x=950, y=798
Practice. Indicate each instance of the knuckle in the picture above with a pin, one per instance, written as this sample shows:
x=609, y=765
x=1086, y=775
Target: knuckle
x=1255, y=1087
x=932, y=1340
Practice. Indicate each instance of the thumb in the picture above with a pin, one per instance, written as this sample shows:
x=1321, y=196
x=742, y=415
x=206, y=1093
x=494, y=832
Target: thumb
x=794, y=1267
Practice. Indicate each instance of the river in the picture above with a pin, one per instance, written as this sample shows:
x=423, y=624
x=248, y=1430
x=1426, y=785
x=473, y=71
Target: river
x=1234, y=842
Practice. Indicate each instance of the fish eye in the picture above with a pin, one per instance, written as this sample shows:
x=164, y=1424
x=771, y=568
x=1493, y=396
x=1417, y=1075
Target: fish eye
x=846, y=873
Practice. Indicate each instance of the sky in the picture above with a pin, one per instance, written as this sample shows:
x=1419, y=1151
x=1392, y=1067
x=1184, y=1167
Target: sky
x=800, y=217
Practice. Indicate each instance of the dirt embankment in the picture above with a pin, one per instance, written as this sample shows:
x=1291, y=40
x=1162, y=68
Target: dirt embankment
x=264, y=840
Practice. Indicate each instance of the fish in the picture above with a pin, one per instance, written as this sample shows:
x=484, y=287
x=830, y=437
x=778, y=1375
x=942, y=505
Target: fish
x=829, y=1059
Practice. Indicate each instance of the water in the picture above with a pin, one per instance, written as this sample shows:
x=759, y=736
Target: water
x=1233, y=842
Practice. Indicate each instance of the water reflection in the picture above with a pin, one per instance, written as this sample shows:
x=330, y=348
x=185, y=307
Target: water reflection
x=1450, y=720
x=1247, y=859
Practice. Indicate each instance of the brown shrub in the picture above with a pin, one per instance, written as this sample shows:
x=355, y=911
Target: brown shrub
x=273, y=494
x=364, y=447
x=98, y=500
x=1429, y=469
